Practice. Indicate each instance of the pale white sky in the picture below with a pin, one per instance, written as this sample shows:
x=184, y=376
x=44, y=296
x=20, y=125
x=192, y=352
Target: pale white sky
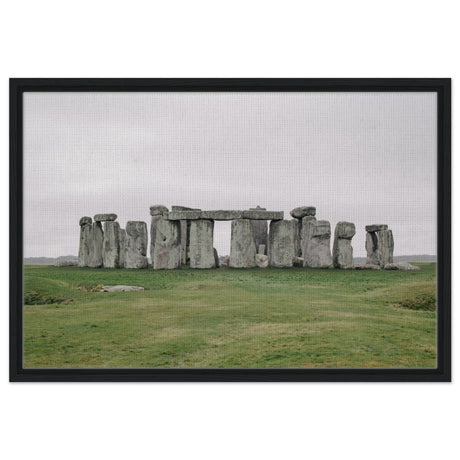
x=361, y=157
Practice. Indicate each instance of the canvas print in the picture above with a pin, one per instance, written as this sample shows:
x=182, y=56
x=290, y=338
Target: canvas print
x=232, y=230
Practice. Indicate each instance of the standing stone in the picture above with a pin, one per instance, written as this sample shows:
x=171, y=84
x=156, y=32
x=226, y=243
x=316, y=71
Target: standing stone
x=86, y=242
x=167, y=245
x=281, y=245
x=342, y=252
x=261, y=260
x=379, y=245
x=261, y=249
x=98, y=238
x=201, y=244
x=316, y=243
x=216, y=258
x=111, y=245
x=184, y=234
x=297, y=228
x=122, y=235
x=153, y=233
x=260, y=229
x=242, y=246
x=136, y=245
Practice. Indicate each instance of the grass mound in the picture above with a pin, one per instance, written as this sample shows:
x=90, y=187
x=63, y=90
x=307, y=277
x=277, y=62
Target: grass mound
x=34, y=298
x=421, y=302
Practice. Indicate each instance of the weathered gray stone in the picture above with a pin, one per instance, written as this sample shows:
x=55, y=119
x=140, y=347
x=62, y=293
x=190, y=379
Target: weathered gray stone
x=298, y=262
x=316, y=243
x=158, y=210
x=366, y=267
x=86, y=221
x=184, y=242
x=167, y=245
x=297, y=228
x=136, y=245
x=111, y=245
x=86, y=242
x=222, y=215
x=105, y=217
x=262, y=249
x=122, y=235
x=66, y=261
x=376, y=227
x=96, y=247
x=183, y=208
x=224, y=261
x=153, y=233
x=260, y=230
x=401, y=266
x=201, y=244
x=121, y=288
x=303, y=211
x=242, y=246
x=263, y=215
x=182, y=215
x=216, y=258
x=342, y=252
x=261, y=260
x=281, y=246
x=379, y=247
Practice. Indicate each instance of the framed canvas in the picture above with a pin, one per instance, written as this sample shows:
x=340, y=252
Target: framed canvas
x=230, y=229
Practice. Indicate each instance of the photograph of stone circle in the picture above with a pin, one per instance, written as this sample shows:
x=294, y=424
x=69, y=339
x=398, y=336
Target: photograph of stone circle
x=230, y=230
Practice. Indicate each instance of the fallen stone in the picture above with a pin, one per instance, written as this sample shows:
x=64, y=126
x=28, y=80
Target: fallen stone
x=316, y=243
x=342, y=251
x=222, y=215
x=303, y=211
x=121, y=288
x=158, y=210
x=182, y=215
x=366, y=267
x=86, y=221
x=167, y=251
x=201, y=244
x=281, y=249
x=96, y=246
x=111, y=245
x=261, y=260
x=376, y=228
x=86, y=242
x=242, y=246
x=298, y=262
x=105, y=217
x=401, y=266
x=263, y=215
x=136, y=245
x=66, y=261
x=122, y=237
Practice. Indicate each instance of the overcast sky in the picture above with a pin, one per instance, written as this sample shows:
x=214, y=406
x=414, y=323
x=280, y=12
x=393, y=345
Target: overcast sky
x=361, y=157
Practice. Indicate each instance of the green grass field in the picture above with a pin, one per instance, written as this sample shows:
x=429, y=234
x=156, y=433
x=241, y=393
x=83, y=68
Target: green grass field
x=230, y=318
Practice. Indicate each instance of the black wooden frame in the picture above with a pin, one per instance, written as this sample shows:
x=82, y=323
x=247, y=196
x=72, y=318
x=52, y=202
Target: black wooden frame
x=442, y=86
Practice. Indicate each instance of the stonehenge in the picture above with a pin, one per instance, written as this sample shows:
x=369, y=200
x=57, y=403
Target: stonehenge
x=342, y=251
x=184, y=236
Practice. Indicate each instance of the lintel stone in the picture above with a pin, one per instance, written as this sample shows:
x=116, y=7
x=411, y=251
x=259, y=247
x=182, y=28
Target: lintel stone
x=105, y=217
x=222, y=215
x=376, y=228
x=183, y=215
x=263, y=215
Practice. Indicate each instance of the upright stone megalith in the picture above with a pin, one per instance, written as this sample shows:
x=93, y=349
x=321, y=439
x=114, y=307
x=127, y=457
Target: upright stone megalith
x=316, y=243
x=122, y=239
x=167, y=245
x=97, y=240
x=260, y=230
x=156, y=212
x=136, y=245
x=281, y=243
x=86, y=242
x=201, y=244
x=111, y=245
x=242, y=246
x=298, y=214
x=342, y=252
x=379, y=245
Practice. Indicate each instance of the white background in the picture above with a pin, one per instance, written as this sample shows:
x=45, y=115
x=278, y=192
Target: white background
x=226, y=39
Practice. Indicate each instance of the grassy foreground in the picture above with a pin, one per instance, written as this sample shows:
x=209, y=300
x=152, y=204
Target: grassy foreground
x=230, y=318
